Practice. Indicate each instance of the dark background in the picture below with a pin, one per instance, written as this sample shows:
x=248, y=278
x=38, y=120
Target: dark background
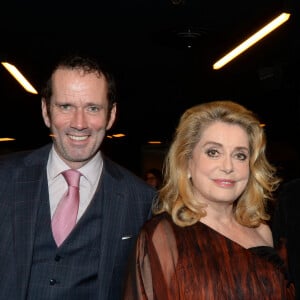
x=146, y=45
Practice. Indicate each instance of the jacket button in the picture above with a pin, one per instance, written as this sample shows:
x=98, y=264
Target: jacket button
x=57, y=258
x=52, y=281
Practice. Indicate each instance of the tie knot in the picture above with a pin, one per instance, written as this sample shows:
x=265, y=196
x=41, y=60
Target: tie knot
x=72, y=177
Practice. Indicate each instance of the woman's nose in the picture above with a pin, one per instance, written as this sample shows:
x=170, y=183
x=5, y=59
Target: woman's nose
x=227, y=166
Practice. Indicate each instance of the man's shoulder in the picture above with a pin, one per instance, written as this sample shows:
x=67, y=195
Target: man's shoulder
x=18, y=158
x=12, y=159
x=123, y=174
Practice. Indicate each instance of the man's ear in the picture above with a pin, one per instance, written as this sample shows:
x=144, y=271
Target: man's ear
x=112, y=116
x=45, y=113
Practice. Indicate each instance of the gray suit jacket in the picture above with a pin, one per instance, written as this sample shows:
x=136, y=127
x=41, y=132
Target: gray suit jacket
x=127, y=205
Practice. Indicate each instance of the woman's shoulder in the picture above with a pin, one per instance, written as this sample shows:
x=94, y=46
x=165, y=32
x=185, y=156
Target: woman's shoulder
x=162, y=221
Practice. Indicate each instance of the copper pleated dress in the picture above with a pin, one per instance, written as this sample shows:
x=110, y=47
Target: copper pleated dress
x=197, y=262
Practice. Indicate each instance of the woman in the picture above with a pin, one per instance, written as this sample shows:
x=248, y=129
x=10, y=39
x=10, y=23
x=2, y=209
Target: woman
x=210, y=238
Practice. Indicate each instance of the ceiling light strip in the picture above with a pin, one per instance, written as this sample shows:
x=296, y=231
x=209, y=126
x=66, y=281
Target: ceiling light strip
x=19, y=77
x=282, y=18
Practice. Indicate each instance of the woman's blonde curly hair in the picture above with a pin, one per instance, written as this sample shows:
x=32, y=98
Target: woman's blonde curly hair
x=176, y=195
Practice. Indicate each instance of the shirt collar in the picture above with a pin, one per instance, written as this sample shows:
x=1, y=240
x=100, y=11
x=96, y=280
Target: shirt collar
x=91, y=170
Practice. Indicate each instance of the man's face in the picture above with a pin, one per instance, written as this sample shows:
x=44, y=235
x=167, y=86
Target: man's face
x=78, y=117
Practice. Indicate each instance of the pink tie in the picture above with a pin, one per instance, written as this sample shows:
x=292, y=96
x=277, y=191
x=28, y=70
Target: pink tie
x=65, y=215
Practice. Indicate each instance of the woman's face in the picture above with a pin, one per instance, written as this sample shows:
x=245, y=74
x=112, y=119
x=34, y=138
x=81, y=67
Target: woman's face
x=219, y=167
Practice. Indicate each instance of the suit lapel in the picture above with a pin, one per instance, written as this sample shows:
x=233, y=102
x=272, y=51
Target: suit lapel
x=27, y=194
x=113, y=220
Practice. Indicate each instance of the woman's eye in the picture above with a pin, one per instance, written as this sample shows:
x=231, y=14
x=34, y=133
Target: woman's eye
x=241, y=156
x=212, y=152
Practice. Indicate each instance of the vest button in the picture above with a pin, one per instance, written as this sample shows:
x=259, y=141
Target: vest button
x=57, y=257
x=52, y=281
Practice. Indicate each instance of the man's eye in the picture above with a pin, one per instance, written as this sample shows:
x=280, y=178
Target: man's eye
x=93, y=108
x=64, y=106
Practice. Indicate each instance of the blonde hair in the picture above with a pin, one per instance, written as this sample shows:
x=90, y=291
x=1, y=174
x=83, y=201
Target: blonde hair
x=176, y=195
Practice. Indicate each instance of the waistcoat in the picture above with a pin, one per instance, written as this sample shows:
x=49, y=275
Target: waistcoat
x=71, y=270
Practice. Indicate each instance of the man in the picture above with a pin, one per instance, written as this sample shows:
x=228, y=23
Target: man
x=286, y=224
x=78, y=106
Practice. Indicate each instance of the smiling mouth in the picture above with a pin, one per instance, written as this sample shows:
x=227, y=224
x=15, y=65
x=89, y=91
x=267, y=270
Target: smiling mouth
x=78, y=138
x=225, y=182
